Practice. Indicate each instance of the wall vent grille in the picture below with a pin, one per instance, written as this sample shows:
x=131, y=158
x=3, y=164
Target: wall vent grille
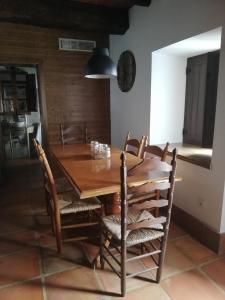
x=76, y=45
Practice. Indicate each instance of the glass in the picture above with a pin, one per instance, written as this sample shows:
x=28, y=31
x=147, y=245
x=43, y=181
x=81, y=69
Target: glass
x=99, y=151
x=94, y=146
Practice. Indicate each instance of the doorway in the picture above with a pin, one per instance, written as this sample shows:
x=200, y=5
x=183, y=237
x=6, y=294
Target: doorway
x=20, y=111
x=200, y=100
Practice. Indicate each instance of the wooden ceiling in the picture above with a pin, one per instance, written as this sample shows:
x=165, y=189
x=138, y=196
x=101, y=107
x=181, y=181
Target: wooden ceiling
x=108, y=16
x=115, y=3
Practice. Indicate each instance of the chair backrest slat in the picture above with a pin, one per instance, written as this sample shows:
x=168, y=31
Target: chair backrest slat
x=50, y=186
x=137, y=147
x=156, y=150
x=168, y=184
x=149, y=204
x=147, y=223
x=148, y=187
x=73, y=133
x=149, y=164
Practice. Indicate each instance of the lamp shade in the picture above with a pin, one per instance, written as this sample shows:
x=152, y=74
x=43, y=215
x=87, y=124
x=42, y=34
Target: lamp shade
x=100, y=65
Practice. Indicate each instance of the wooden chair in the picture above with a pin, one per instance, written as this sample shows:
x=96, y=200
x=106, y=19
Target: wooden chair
x=135, y=193
x=62, y=183
x=69, y=204
x=73, y=133
x=135, y=144
x=156, y=151
x=136, y=225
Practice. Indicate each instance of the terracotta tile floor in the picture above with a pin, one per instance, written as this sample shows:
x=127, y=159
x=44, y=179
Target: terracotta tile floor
x=30, y=267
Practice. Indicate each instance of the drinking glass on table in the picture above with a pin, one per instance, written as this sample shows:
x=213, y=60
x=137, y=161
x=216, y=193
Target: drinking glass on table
x=94, y=146
x=99, y=151
x=106, y=150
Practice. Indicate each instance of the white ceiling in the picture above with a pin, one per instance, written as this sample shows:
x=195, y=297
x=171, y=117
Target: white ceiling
x=196, y=45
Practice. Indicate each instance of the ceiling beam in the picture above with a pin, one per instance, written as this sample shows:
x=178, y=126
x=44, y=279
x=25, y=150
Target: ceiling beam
x=143, y=2
x=65, y=15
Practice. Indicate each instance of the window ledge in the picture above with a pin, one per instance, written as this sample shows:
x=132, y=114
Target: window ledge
x=193, y=154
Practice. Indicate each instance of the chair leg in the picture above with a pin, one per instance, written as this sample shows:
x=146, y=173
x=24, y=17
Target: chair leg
x=47, y=203
x=123, y=269
x=58, y=233
x=161, y=259
x=157, y=208
x=102, y=263
x=52, y=224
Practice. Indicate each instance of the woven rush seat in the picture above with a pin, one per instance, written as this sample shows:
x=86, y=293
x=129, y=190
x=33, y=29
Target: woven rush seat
x=70, y=202
x=133, y=237
x=142, y=235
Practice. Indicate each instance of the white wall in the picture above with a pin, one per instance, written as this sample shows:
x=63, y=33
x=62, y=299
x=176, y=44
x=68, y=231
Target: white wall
x=164, y=23
x=167, y=98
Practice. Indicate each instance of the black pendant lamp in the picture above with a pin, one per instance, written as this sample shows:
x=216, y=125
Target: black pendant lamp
x=100, y=65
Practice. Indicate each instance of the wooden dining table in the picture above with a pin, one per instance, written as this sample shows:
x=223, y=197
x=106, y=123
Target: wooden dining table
x=98, y=177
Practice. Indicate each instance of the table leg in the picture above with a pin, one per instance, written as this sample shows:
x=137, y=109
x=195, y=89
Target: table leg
x=112, y=204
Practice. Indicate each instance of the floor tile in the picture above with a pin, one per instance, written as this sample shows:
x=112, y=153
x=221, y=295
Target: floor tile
x=192, y=285
x=17, y=267
x=25, y=232
x=17, y=241
x=37, y=203
x=194, y=250
x=27, y=291
x=175, y=231
x=10, y=224
x=76, y=284
x=216, y=271
x=52, y=262
x=152, y=291
x=111, y=282
x=90, y=251
x=45, y=236
x=175, y=261
x=42, y=221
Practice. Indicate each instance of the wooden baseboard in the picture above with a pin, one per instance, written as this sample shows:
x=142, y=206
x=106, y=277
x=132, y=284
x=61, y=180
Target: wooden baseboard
x=213, y=240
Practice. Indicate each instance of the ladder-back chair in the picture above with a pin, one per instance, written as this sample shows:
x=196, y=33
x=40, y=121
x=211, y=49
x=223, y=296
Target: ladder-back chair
x=149, y=150
x=136, y=226
x=62, y=183
x=73, y=133
x=137, y=147
x=85, y=213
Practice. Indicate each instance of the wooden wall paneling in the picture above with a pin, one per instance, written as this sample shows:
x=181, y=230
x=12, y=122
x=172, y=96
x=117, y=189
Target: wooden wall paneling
x=66, y=95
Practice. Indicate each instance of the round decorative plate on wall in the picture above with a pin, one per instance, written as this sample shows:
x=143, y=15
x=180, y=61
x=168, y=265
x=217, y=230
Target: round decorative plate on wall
x=126, y=71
